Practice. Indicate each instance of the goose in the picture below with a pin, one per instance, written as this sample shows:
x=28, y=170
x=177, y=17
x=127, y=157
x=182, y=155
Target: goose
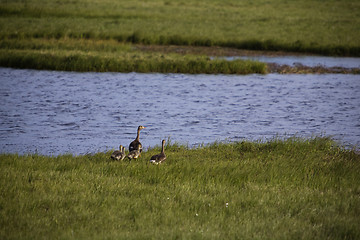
x=159, y=158
x=136, y=144
x=134, y=154
x=118, y=154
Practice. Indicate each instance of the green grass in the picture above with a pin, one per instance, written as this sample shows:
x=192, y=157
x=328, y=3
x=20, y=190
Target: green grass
x=49, y=34
x=105, y=56
x=329, y=27
x=281, y=189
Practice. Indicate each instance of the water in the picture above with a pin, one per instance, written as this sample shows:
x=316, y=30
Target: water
x=54, y=113
x=310, y=61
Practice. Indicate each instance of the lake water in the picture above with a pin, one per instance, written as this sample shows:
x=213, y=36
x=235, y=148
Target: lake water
x=52, y=112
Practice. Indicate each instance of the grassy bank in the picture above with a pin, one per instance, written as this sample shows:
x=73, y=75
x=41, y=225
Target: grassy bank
x=282, y=189
x=329, y=28
x=108, y=55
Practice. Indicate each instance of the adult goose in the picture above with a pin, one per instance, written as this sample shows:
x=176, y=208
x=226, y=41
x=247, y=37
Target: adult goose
x=118, y=154
x=136, y=144
x=159, y=158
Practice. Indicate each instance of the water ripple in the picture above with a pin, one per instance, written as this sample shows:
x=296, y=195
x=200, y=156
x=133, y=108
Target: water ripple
x=65, y=112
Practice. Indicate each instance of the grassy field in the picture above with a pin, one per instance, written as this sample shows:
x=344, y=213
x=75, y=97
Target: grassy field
x=259, y=24
x=281, y=189
x=111, y=56
x=326, y=28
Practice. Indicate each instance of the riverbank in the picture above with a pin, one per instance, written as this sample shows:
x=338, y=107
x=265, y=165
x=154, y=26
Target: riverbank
x=232, y=52
x=112, y=56
x=275, y=25
x=154, y=36
x=294, y=188
x=301, y=69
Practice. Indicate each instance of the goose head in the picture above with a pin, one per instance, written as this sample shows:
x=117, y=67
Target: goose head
x=141, y=127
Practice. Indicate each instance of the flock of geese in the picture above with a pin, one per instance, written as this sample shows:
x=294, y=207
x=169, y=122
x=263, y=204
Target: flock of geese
x=135, y=149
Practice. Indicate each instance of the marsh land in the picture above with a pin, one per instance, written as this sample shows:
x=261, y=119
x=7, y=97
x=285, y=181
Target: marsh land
x=282, y=189
x=51, y=34
x=293, y=188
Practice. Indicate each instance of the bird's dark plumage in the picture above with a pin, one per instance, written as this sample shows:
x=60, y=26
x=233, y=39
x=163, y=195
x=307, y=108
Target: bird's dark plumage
x=118, y=154
x=134, y=154
x=159, y=158
x=136, y=144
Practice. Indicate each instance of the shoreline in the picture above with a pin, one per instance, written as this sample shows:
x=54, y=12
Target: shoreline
x=302, y=69
x=297, y=189
x=232, y=52
x=112, y=56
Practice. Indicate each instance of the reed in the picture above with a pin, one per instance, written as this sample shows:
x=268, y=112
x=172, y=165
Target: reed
x=124, y=61
x=280, y=189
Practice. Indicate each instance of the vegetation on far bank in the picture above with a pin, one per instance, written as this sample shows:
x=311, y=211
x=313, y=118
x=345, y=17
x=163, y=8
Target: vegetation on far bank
x=111, y=56
x=281, y=189
x=317, y=27
x=327, y=28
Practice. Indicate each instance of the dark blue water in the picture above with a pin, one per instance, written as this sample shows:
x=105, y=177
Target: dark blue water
x=53, y=112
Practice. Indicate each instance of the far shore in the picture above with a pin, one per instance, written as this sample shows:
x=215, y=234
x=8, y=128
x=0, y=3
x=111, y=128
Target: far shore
x=233, y=52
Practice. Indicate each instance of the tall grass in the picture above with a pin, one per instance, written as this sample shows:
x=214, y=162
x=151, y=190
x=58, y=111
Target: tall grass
x=101, y=56
x=329, y=28
x=281, y=189
x=90, y=35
